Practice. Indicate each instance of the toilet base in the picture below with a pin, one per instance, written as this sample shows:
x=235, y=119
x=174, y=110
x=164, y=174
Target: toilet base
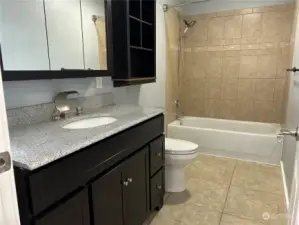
x=174, y=178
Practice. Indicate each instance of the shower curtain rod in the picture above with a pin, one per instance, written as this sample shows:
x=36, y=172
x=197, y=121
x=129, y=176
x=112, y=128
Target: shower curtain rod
x=166, y=7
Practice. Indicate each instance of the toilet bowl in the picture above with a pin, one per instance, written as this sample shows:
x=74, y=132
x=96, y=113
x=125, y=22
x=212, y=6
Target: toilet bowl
x=178, y=153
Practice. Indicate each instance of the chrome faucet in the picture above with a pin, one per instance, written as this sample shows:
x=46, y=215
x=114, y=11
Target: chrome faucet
x=61, y=106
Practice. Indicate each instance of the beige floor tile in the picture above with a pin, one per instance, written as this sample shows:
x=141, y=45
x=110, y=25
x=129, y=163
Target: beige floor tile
x=169, y=215
x=254, y=205
x=260, y=177
x=185, y=214
x=233, y=220
x=199, y=216
x=211, y=168
x=207, y=194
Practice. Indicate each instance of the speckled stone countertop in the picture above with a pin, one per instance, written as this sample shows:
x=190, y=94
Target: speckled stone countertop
x=36, y=145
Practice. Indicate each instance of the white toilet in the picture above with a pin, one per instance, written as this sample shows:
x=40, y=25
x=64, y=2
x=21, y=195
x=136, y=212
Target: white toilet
x=178, y=153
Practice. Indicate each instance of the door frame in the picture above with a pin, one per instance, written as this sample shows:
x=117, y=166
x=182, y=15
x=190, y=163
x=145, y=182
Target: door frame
x=9, y=212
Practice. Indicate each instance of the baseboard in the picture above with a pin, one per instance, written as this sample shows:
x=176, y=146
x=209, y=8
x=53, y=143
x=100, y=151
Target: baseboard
x=285, y=186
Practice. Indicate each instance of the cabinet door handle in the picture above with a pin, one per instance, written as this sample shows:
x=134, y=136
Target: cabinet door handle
x=130, y=180
x=158, y=154
x=126, y=183
x=159, y=187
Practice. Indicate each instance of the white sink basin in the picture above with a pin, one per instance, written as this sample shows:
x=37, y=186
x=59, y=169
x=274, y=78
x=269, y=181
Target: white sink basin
x=90, y=123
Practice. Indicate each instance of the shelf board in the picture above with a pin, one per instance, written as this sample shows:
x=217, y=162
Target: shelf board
x=140, y=20
x=141, y=48
x=133, y=81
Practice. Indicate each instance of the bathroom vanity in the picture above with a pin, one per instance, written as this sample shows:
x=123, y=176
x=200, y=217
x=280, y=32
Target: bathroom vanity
x=112, y=175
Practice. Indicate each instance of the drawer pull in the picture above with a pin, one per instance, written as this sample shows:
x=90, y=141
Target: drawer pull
x=130, y=180
x=126, y=183
x=158, y=154
x=159, y=187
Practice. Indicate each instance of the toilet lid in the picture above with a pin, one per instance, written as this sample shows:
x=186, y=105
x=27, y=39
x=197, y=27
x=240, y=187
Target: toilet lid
x=177, y=146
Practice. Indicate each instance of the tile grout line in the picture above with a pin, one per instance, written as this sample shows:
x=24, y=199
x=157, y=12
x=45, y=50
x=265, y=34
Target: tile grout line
x=231, y=180
x=243, y=218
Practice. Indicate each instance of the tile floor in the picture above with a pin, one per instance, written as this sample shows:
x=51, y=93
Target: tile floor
x=223, y=191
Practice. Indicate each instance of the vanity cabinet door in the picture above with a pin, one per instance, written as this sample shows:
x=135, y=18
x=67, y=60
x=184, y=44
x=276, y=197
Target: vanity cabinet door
x=74, y=211
x=136, y=193
x=63, y=20
x=107, y=198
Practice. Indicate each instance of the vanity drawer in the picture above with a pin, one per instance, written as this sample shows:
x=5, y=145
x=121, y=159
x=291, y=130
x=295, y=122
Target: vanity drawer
x=157, y=154
x=157, y=190
x=59, y=179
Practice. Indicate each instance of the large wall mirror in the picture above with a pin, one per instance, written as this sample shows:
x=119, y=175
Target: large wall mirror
x=53, y=35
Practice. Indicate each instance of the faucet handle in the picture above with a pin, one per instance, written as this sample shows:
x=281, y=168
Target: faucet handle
x=79, y=110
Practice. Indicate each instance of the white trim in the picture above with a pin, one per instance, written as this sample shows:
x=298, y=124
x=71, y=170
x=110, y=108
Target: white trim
x=285, y=187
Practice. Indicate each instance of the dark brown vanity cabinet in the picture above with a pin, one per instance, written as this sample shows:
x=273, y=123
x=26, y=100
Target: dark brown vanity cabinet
x=124, y=191
x=74, y=211
x=117, y=181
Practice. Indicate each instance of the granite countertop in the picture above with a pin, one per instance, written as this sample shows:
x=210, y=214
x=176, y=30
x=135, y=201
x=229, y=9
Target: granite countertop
x=36, y=145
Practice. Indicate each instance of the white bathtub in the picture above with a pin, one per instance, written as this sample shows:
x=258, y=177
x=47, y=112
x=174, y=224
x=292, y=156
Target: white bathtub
x=231, y=138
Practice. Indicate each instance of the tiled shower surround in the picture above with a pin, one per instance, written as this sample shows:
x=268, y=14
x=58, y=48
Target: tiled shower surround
x=234, y=64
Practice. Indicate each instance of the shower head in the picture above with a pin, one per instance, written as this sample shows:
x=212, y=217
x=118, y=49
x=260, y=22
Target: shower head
x=188, y=25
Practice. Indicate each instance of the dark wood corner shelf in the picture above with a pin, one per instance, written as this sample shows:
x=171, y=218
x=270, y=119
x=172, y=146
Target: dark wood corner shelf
x=133, y=81
x=134, y=42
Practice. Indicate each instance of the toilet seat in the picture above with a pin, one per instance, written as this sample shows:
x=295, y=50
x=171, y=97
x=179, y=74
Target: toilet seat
x=179, y=147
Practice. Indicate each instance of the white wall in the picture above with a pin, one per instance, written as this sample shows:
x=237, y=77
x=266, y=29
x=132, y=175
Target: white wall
x=223, y=5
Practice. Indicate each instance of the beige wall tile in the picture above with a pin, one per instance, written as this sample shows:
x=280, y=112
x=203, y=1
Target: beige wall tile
x=213, y=88
x=246, y=89
x=226, y=13
x=257, y=10
x=233, y=27
x=228, y=109
x=212, y=108
x=279, y=8
x=231, y=47
x=264, y=89
x=229, y=89
x=284, y=62
x=250, y=40
x=251, y=25
x=263, y=111
x=241, y=55
x=278, y=112
x=213, y=67
x=216, y=28
x=276, y=24
x=243, y=11
x=245, y=110
x=248, y=67
x=250, y=46
x=200, y=31
x=279, y=90
x=231, y=67
x=266, y=66
x=232, y=53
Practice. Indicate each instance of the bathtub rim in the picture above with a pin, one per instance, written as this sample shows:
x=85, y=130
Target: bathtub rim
x=176, y=123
